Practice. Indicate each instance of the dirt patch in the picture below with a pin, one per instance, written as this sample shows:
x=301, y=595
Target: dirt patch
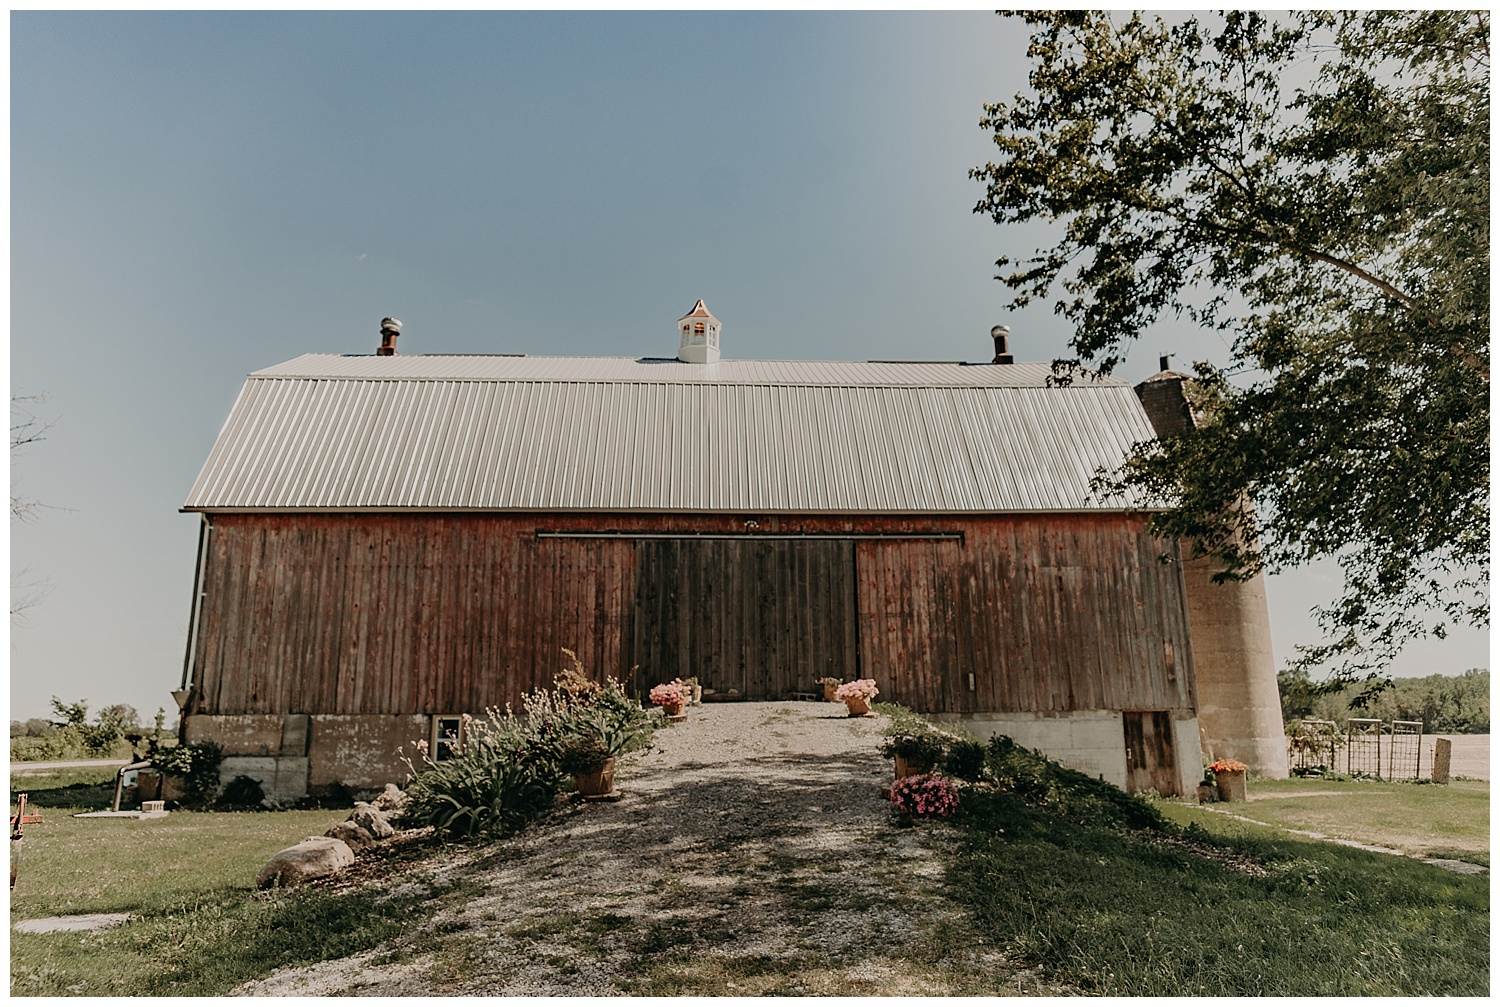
x=751, y=854
x=73, y=924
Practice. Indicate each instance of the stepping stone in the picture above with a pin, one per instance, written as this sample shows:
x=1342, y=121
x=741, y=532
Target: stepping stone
x=1457, y=866
x=72, y=924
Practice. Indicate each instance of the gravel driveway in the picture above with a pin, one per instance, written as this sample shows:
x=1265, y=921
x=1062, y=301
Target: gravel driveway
x=751, y=853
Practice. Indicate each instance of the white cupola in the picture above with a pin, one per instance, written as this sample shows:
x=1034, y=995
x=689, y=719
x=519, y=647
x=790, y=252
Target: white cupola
x=699, y=334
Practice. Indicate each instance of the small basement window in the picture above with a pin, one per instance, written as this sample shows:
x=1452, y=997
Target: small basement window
x=447, y=739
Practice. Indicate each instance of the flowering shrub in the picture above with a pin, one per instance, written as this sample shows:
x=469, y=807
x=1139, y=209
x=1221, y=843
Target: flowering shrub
x=512, y=765
x=830, y=681
x=1227, y=766
x=926, y=794
x=669, y=692
x=864, y=689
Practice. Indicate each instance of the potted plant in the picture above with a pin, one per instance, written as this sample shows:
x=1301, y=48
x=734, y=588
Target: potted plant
x=830, y=686
x=856, y=695
x=1229, y=775
x=670, y=696
x=693, y=691
x=587, y=758
x=1208, y=787
x=915, y=754
x=587, y=751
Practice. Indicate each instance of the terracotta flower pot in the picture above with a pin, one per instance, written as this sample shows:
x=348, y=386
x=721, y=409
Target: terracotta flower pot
x=858, y=706
x=598, y=783
x=828, y=692
x=1231, y=785
x=906, y=767
x=672, y=707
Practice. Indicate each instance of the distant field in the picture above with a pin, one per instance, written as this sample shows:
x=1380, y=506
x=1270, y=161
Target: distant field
x=1427, y=820
x=1471, y=754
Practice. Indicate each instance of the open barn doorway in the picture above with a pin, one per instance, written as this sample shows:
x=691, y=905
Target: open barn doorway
x=765, y=617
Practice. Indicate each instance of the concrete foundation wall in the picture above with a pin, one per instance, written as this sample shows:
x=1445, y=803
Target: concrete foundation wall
x=1239, y=706
x=360, y=750
x=293, y=755
x=245, y=734
x=1090, y=741
x=282, y=779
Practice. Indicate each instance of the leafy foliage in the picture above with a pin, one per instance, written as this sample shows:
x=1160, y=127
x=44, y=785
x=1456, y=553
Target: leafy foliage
x=513, y=765
x=197, y=765
x=242, y=792
x=917, y=739
x=1316, y=191
x=1445, y=704
x=70, y=735
x=926, y=748
x=964, y=759
x=1039, y=782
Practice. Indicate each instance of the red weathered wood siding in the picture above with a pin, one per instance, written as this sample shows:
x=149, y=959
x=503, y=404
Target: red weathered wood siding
x=440, y=613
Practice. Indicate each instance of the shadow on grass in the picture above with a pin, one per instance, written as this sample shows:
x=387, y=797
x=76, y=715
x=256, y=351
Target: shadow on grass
x=1118, y=914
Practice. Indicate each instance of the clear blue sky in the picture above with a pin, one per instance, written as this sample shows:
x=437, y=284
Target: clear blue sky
x=195, y=196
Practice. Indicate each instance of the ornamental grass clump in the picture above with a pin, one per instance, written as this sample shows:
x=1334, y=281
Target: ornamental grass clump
x=510, y=766
x=926, y=795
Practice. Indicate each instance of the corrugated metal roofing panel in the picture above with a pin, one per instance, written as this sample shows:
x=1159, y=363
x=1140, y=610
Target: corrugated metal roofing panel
x=796, y=441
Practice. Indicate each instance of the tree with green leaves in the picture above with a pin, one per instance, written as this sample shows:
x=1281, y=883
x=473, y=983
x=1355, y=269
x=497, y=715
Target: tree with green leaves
x=1315, y=191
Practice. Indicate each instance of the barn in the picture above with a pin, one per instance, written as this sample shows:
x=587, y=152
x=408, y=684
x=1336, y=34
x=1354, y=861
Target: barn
x=389, y=541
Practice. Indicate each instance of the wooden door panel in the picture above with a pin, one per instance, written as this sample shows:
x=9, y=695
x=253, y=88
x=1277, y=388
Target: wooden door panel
x=764, y=616
x=1150, y=760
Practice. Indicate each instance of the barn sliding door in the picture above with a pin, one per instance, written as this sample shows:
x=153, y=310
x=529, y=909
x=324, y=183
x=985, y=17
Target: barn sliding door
x=764, y=616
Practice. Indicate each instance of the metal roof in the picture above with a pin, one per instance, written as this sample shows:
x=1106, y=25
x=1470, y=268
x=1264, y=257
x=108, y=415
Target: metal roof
x=603, y=434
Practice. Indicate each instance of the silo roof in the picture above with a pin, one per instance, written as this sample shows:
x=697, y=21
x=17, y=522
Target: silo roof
x=508, y=433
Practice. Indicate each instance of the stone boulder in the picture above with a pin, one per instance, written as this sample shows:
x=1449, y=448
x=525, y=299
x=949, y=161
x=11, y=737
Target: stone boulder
x=356, y=838
x=312, y=858
x=392, y=800
x=372, y=820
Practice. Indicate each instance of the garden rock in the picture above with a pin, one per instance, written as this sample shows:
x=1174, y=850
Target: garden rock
x=373, y=821
x=356, y=838
x=392, y=801
x=312, y=858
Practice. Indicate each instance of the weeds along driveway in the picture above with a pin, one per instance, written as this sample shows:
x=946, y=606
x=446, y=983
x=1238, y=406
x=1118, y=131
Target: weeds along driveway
x=752, y=853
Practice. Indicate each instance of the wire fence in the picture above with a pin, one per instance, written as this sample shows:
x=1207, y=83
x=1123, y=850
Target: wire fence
x=1370, y=747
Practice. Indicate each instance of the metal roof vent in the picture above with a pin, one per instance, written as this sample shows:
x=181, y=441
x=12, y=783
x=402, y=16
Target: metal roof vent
x=390, y=328
x=1001, y=335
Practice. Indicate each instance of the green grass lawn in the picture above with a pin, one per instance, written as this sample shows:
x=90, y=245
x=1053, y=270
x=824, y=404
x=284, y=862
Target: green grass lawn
x=1101, y=891
x=1068, y=879
x=189, y=878
x=1429, y=820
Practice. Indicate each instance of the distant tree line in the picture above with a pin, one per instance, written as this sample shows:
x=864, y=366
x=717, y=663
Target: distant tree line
x=70, y=734
x=1445, y=704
